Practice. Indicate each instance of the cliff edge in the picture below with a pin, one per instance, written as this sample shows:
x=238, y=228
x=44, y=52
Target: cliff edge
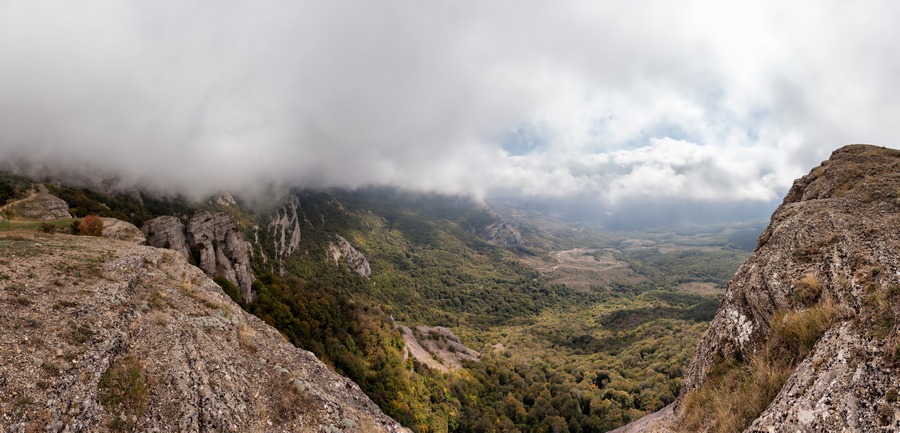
x=807, y=333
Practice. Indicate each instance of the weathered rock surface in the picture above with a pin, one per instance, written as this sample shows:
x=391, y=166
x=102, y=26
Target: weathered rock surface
x=123, y=231
x=284, y=229
x=214, y=240
x=167, y=232
x=356, y=261
x=839, y=227
x=503, y=233
x=42, y=206
x=221, y=249
x=76, y=306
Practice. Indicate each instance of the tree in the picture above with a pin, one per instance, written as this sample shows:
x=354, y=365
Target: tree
x=92, y=225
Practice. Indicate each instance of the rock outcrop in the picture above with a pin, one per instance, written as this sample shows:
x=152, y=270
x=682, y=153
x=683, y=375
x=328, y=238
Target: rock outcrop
x=104, y=335
x=835, y=239
x=123, y=231
x=502, y=232
x=167, y=232
x=356, y=261
x=213, y=240
x=284, y=229
x=41, y=206
x=221, y=249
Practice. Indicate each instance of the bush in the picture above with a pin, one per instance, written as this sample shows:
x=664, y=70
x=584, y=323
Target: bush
x=47, y=228
x=92, y=225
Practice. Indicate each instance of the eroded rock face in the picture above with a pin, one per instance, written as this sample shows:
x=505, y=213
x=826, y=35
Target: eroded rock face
x=221, y=249
x=284, y=229
x=167, y=232
x=206, y=365
x=42, y=206
x=839, y=226
x=356, y=261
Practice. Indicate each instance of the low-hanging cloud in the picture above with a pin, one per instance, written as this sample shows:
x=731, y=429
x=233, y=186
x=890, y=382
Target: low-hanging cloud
x=614, y=102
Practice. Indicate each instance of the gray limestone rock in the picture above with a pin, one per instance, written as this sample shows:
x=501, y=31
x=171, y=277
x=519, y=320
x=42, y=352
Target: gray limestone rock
x=166, y=232
x=220, y=249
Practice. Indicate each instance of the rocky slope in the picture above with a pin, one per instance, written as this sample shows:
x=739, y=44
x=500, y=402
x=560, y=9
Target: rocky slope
x=99, y=334
x=830, y=262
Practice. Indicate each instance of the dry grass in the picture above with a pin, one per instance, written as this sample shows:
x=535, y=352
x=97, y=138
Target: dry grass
x=808, y=290
x=735, y=393
x=246, y=335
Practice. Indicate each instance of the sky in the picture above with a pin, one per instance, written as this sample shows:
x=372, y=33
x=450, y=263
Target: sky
x=609, y=105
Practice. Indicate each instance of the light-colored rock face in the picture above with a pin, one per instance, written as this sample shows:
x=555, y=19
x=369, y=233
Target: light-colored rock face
x=221, y=249
x=284, y=229
x=123, y=231
x=167, y=232
x=356, y=261
x=42, y=206
x=76, y=308
x=838, y=226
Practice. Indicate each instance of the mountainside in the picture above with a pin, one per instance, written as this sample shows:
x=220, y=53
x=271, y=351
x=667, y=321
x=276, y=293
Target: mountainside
x=106, y=335
x=448, y=317
x=806, y=338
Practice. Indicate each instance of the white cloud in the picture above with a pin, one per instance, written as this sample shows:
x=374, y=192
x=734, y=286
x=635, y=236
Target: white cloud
x=706, y=101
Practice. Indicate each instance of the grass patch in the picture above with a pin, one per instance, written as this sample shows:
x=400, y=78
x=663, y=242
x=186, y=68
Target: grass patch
x=735, y=392
x=124, y=393
x=808, y=290
x=57, y=225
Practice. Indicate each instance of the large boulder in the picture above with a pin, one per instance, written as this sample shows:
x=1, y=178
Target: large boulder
x=123, y=231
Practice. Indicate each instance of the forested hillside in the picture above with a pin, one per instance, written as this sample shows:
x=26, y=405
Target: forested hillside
x=555, y=356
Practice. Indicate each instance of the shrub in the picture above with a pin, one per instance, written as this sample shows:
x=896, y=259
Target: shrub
x=92, y=225
x=47, y=227
x=124, y=393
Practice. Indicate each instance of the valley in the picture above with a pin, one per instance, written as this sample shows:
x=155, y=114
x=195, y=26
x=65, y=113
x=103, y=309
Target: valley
x=452, y=318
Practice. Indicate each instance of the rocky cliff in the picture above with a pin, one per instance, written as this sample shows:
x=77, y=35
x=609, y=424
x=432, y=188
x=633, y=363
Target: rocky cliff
x=807, y=331
x=212, y=239
x=340, y=248
x=284, y=229
x=102, y=335
x=221, y=249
